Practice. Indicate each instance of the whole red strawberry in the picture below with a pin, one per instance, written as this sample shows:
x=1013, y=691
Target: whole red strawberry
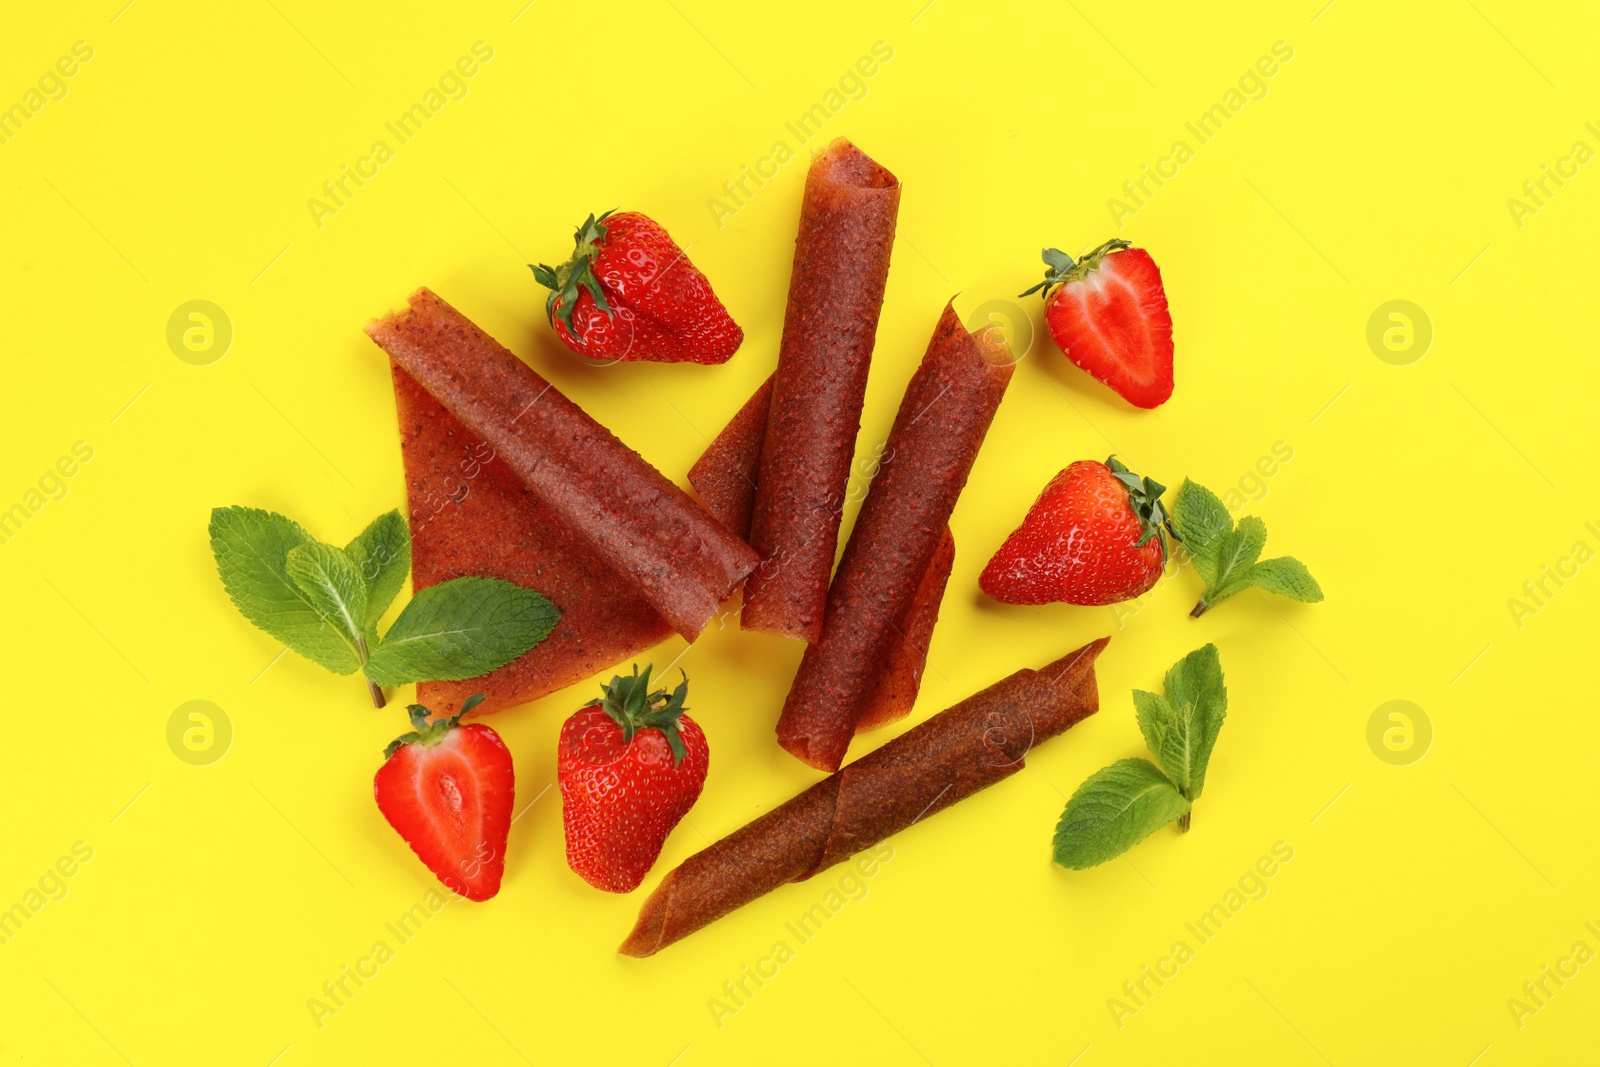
x=630, y=766
x=629, y=293
x=448, y=789
x=1093, y=537
x=1108, y=312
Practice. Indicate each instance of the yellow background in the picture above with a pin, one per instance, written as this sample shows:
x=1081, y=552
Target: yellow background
x=1377, y=166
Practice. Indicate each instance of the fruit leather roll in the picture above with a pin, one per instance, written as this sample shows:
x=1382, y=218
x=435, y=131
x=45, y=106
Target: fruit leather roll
x=644, y=527
x=943, y=418
x=841, y=261
x=969, y=747
x=725, y=477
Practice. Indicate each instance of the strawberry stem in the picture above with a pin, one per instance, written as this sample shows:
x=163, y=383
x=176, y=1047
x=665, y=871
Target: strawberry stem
x=424, y=732
x=1060, y=267
x=577, y=273
x=633, y=706
x=1144, y=497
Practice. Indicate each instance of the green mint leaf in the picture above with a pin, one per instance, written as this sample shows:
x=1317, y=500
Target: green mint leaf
x=1114, y=810
x=1237, y=553
x=1201, y=522
x=1164, y=735
x=334, y=587
x=1228, y=557
x=461, y=629
x=251, y=547
x=1287, y=577
x=382, y=553
x=1181, y=726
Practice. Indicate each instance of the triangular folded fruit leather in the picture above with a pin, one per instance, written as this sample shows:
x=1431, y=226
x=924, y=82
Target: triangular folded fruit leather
x=725, y=478
x=471, y=515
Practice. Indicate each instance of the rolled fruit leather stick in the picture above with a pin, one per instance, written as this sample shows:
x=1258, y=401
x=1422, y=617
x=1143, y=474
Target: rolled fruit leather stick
x=943, y=419
x=959, y=751
x=841, y=263
x=725, y=477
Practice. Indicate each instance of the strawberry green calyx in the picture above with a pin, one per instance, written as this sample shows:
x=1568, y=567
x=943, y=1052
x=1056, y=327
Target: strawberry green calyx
x=1144, y=497
x=632, y=706
x=577, y=273
x=1063, y=268
x=430, y=733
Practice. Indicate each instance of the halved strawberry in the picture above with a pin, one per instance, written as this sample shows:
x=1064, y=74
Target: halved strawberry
x=1108, y=312
x=448, y=789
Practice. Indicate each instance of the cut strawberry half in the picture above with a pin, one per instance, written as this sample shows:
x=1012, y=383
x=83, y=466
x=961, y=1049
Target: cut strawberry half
x=1108, y=313
x=447, y=789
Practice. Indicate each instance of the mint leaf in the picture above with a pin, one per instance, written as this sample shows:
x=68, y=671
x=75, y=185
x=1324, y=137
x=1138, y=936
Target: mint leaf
x=1227, y=557
x=1287, y=577
x=325, y=602
x=1181, y=725
x=382, y=553
x=461, y=629
x=1201, y=522
x=251, y=547
x=1114, y=810
x=1236, y=554
x=334, y=588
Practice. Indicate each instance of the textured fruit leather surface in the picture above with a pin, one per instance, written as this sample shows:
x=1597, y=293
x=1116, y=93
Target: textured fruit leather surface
x=725, y=473
x=963, y=749
x=471, y=515
x=943, y=419
x=682, y=561
x=841, y=263
x=725, y=477
x=895, y=691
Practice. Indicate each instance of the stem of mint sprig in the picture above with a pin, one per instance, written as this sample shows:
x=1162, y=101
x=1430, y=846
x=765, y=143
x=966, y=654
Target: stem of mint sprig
x=373, y=691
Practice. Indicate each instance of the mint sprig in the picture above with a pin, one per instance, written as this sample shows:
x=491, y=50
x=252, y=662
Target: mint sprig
x=1125, y=803
x=1180, y=724
x=1228, y=556
x=324, y=602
